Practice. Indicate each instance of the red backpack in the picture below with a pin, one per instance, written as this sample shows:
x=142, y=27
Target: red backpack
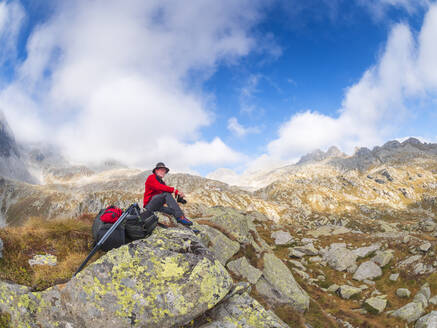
x=111, y=214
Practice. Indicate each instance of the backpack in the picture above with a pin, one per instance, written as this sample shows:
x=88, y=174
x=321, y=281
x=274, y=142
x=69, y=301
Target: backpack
x=115, y=239
x=100, y=227
x=136, y=225
x=97, y=224
x=111, y=214
x=140, y=224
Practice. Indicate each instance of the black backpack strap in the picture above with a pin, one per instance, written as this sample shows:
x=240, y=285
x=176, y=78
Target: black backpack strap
x=162, y=225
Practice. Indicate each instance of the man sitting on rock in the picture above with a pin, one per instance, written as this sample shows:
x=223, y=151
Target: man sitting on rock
x=157, y=194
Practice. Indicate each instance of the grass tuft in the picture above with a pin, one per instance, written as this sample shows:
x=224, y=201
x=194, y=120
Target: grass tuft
x=70, y=240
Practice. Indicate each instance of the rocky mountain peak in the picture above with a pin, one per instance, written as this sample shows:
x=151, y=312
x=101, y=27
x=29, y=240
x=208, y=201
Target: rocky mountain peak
x=412, y=141
x=333, y=151
x=11, y=163
x=8, y=146
x=393, y=144
x=319, y=155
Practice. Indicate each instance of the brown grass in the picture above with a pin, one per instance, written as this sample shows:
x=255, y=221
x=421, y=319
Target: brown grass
x=69, y=240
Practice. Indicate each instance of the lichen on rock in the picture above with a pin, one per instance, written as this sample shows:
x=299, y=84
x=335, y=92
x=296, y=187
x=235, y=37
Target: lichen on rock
x=165, y=280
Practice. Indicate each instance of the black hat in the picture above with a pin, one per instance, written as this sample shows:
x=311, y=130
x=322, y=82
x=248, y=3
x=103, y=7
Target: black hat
x=160, y=165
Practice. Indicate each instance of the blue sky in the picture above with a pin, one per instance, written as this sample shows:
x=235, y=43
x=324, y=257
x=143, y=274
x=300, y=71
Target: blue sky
x=202, y=85
x=320, y=57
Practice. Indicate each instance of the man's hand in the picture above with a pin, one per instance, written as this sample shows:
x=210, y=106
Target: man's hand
x=181, y=194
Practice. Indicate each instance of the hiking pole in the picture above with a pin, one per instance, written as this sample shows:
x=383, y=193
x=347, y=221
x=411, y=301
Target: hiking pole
x=105, y=236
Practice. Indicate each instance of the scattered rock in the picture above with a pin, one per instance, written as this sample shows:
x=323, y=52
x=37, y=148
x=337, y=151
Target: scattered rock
x=308, y=249
x=422, y=268
x=340, y=258
x=298, y=265
x=369, y=282
x=278, y=284
x=409, y=312
x=294, y=253
x=367, y=270
x=46, y=259
x=328, y=230
x=242, y=268
x=433, y=300
x=346, y=291
x=315, y=259
x=410, y=260
x=375, y=304
x=425, y=290
x=403, y=292
x=387, y=175
x=302, y=274
x=382, y=258
x=427, y=321
x=428, y=225
x=242, y=311
x=420, y=298
x=366, y=251
x=282, y=237
x=394, y=277
x=425, y=247
x=333, y=288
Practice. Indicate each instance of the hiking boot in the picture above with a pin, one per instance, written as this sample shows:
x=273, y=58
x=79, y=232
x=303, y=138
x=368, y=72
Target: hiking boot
x=183, y=220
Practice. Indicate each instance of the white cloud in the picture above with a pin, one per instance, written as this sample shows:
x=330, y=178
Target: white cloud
x=247, y=92
x=110, y=79
x=375, y=106
x=379, y=7
x=239, y=130
x=11, y=19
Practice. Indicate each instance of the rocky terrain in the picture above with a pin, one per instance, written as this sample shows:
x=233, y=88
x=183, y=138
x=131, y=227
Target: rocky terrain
x=331, y=241
x=243, y=270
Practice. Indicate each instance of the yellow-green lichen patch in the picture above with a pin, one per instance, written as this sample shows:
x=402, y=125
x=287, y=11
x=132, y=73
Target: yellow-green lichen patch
x=212, y=277
x=157, y=281
x=5, y=320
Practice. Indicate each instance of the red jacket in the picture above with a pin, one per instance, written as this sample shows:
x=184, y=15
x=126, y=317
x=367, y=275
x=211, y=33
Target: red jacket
x=155, y=186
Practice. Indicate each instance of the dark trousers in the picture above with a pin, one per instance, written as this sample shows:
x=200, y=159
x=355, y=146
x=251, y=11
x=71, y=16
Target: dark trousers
x=157, y=204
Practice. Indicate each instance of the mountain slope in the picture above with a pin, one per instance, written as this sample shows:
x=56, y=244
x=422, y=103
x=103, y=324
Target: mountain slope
x=12, y=165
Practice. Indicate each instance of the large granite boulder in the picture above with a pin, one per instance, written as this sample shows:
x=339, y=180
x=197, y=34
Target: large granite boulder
x=233, y=222
x=236, y=225
x=165, y=280
x=222, y=247
x=242, y=311
x=277, y=284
